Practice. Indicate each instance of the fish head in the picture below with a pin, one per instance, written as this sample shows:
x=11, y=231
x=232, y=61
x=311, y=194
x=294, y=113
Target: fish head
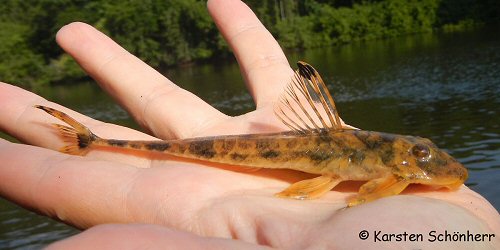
x=418, y=160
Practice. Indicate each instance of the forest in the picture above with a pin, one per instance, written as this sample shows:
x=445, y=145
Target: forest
x=165, y=33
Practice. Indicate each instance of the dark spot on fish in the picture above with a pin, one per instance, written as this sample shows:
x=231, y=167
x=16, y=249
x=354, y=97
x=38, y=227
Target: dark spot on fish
x=82, y=143
x=346, y=151
x=374, y=143
x=357, y=157
x=134, y=145
x=370, y=141
x=238, y=157
x=270, y=154
x=262, y=145
x=158, y=146
x=117, y=143
x=84, y=140
x=387, y=155
x=204, y=149
x=324, y=137
x=319, y=155
x=306, y=70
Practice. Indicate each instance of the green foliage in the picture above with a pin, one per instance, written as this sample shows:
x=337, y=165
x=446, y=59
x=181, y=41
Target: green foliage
x=326, y=25
x=27, y=41
x=18, y=62
x=165, y=33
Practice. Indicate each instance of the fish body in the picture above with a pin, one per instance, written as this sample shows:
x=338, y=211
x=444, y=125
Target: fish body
x=344, y=153
x=318, y=144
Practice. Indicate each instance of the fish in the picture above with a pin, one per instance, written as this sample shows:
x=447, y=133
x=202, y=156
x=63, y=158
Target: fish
x=317, y=143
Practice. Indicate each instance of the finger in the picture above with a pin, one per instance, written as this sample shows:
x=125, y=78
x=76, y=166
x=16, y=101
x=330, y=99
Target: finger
x=155, y=102
x=145, y=237
x=85, y=192
x=77, y=190
x=61, y=186
x=20, y=119
x=262, y=61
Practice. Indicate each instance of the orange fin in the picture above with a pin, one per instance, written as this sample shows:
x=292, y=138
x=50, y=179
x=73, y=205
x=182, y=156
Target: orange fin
x=309, y=189
x=78, y=137
x=378, y=188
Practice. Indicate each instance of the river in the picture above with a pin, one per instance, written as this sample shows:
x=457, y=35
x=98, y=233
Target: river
x=444, y=86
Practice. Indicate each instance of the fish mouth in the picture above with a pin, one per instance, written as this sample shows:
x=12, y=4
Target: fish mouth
x=452, y=185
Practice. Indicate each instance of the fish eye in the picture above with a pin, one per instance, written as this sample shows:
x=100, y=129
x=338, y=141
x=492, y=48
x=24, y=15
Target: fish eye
x=420, y=151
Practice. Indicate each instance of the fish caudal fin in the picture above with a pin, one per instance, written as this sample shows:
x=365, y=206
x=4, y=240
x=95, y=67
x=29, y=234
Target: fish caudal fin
x=78, y=137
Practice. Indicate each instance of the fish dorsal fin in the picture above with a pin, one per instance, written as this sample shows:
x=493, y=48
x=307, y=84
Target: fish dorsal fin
x=306, y=105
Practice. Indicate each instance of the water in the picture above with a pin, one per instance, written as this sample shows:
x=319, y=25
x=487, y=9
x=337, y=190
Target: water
x=441, y=86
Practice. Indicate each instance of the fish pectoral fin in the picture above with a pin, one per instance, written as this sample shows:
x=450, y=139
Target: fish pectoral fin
x=309, y=189
x=378, y=188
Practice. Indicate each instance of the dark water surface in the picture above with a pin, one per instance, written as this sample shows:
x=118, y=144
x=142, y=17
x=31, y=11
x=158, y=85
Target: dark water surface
x=442, y=86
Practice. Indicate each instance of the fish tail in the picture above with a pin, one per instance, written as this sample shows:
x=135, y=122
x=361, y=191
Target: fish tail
x=78, y=137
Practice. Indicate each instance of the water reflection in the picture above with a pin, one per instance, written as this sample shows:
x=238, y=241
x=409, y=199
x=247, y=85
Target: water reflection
x=444, y=87
x=20, y=229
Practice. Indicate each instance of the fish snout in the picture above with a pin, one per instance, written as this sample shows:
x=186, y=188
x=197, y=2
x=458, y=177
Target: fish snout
x=456, y=175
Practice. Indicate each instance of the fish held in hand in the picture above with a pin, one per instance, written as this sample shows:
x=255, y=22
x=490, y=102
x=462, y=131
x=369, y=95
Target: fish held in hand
x=318, y=143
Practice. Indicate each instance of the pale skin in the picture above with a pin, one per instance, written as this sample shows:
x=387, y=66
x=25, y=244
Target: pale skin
x=181, y=205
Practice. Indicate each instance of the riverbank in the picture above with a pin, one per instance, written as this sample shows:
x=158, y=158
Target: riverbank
x=170, y=33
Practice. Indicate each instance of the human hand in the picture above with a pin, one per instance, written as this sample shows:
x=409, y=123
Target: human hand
x=105, y=187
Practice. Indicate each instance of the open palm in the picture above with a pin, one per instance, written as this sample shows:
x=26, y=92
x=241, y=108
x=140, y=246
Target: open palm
x=105, y=187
